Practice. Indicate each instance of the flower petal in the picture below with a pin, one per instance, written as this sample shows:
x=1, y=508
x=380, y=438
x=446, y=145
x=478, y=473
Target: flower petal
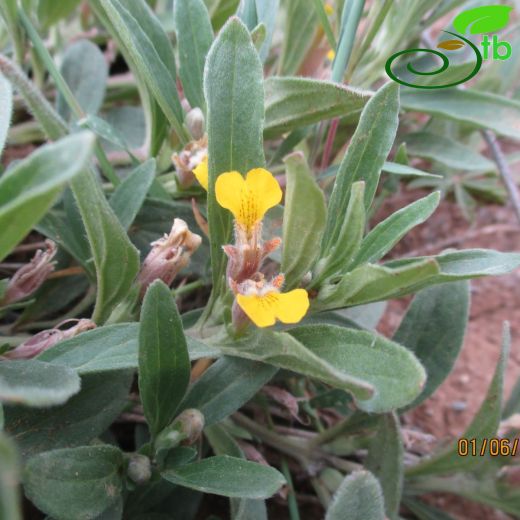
x=292, y=306
x=259, y=309
x=201, y=173
x=264, y=189
x=229, y=190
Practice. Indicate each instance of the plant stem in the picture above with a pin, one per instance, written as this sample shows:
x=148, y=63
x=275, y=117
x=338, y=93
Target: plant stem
x=294, y=513
x=503, y=168
x=187, y=288
x=329, y=434
x=271, y=438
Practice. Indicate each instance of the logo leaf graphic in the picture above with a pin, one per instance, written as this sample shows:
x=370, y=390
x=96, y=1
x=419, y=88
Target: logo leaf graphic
x=484, y=19
x=451, y=45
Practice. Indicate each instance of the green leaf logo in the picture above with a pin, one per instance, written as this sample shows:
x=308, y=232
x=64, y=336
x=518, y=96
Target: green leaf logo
x=485, y=19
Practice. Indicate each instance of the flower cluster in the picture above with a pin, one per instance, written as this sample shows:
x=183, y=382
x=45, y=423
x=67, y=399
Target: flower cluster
x=256, y=298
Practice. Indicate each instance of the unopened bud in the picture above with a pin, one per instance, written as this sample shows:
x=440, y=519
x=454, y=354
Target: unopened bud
x=195, y=123
x=139, y=469
x=31, y=276
x=185, y=429
x=188, y=159
x=169, y=255
x=48, y=338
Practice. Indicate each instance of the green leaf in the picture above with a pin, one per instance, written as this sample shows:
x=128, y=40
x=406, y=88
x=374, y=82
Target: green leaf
x=85, y=70
x=222, y=443
x=110, y=348
x=386, y=234
x=300, y=26
x=433, y=329
x=359, y=497
x=51, y=12
x=462, y=265
x=296, y=102
x=85, y=416
x=484, y=425
x=304, y=220
x=266, y=13
x=194, y=38
x=116, y=259
x=164, y=364
x=350, y=236
x=391, y=370
x=447, y=151
x=228, y=476
x=483, y=19
x=407, y=171
x=6, y=102
x=75, y=483
x=235, y=101
x=365, y=157
x=150, y=49
x=424, y=511
x=34, y=383
x=369, y=283
x=226, y=386
x=385, y=461
x=9, y=494
x=30, y=187
x=478, y=109
x=128, y=197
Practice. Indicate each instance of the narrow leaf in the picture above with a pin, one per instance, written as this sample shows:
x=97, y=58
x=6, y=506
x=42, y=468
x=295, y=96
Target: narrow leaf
x=227, y=476
x=128, y=197
x=304, y=220
x=194, y=38
x=6, y=102
x=387, y=233
x=164, y=364
x=235, y=102
x=30, y=187
x=366, y=155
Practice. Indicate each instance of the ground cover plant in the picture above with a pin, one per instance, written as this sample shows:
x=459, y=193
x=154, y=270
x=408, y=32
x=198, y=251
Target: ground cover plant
x=191, y=274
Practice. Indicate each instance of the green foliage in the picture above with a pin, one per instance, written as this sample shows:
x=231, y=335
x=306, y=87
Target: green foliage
x=9, y=476
x=30, y=188
x=75, y=483
x=164, y=364
x=235, y=102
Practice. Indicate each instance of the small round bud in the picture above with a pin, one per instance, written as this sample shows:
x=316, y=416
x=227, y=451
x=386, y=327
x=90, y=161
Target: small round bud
x=195, y=123
x=139, y=469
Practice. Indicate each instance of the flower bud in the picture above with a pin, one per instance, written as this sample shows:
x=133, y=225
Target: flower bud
x=191, y=156
x=139, y=469
x=185, y=429
x=195, y=123
x=169, y=255
x=31, y=276
x=48, y=338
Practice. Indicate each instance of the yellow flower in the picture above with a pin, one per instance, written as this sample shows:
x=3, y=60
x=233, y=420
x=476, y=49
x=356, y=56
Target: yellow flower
x=329, y=9
x=201, y=173
x=331, y=55
x=250, y=198
x=264, y=309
